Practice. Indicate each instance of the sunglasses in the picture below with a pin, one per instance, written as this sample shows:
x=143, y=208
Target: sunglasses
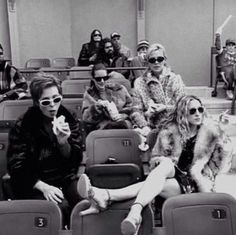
x=97, y=35
x=47, y=102
x=153, y=60
x=99, y=79
x=194, y=110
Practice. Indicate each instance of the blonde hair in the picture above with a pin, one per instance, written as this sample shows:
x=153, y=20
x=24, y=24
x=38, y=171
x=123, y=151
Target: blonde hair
x=156, y=47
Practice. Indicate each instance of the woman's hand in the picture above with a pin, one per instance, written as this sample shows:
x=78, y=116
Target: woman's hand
x=61, y=129
x=51, y=193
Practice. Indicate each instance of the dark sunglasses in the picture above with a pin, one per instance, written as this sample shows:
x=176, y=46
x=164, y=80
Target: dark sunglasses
x=97, y=35
x=47, y=102
x=99, y=79
x=153, y=60
x=194, y=110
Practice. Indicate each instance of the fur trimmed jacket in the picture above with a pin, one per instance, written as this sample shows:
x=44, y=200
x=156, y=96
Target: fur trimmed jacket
x=34, y=153
x=113, y=93
x=211, y=152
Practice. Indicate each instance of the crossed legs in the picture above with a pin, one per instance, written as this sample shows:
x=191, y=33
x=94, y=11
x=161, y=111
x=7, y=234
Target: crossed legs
x=159, y=182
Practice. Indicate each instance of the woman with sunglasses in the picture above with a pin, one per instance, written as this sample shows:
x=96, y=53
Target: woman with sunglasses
x=44, y=150
x=156, y=91
x=106, y=104
x=88, y=53
x=188, y=154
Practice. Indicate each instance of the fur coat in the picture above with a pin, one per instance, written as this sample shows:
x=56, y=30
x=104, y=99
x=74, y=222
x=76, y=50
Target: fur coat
x=113, y=92
x=211, y=152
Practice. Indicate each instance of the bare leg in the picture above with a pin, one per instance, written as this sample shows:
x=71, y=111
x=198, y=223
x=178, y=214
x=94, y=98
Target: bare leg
x=153, y=186
x=128, y=192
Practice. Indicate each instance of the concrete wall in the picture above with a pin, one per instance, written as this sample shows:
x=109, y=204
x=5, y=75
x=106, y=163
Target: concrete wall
x=44, y=28
x=108, y=16
x=4, y=29
x=185, y=28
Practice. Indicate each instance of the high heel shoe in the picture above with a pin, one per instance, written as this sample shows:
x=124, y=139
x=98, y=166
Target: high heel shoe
x=99, y=198
x=131, y=224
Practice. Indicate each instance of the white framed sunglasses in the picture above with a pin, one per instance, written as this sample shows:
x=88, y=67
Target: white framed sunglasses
x=47, y=102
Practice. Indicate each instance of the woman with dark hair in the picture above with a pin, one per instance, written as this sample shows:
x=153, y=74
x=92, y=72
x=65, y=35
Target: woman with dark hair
x=190, y=151
x=106, y=102
x=44, y=151
x=88, y=53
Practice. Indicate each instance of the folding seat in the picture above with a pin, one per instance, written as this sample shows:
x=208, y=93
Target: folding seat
x=113, y=158
x=58, y=72
x=75, y=87
x=3, y=163
x=65, y=62
x=199, y=214
x=113, y=161
x=36, y=63
x=80, y=72
x=107, y=222
x=30, y=217
x=12, y=109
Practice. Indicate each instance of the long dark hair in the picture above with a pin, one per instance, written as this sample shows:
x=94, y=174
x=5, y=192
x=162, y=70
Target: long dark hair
x=92, y=35
x=101, y=51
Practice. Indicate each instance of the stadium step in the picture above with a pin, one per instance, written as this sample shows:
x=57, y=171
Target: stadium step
x=214, y=105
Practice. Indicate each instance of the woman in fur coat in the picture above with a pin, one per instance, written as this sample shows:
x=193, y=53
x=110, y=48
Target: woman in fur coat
x=45, y=148
x=106, y=104
x=189, y=152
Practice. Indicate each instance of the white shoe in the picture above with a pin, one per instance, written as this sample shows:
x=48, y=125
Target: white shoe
x=229, y=94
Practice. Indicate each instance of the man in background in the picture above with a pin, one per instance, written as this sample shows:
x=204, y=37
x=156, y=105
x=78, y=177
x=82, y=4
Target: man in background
x=12, y=84
x=124, y=50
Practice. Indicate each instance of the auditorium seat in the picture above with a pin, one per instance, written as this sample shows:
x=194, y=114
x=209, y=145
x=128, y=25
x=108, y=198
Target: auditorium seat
x=3, y=161
x=107, y=222
x=113, y=158
x=199, y=214
x=36, y=63
x=80, y=72
x=65, y=62
x=30, y=217
x=75, y=86
x=59, y=74
x=12, y=109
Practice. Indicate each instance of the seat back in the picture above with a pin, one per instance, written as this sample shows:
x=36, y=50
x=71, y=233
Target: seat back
x=30, y=217
x=12, y=109
x=108, y=221
x=75, y=86
x=80, y=72
x=113, y=157
x=61, y=75
x=3, y=160
x=65, y=62
x=35, y=63
x=200, y=214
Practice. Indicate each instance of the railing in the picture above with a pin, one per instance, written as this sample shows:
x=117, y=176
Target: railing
x=48, y=69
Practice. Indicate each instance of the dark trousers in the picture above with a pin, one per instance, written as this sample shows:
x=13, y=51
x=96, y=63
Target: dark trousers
x=71, y=198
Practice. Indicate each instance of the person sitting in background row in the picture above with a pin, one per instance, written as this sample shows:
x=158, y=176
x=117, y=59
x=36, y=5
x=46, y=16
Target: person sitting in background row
x=124, y=50
x=88, y=53
x=110, y=56
x=156, y=91
x=227, y=59
x=13, y=85
x=106, y=104
x=140, y=60
x=190, y=151
x=45, y=148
